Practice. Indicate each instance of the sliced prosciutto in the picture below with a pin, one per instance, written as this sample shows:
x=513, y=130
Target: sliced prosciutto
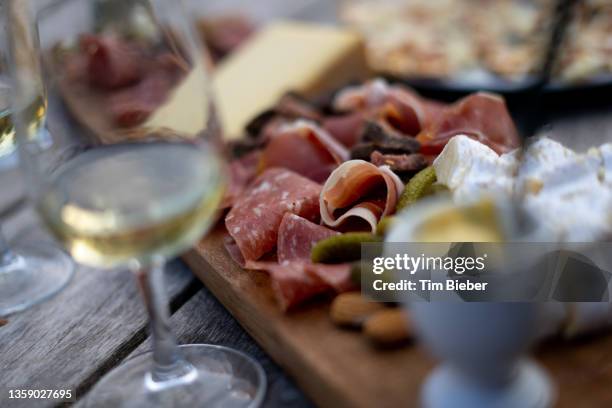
x=358, y=189
x=297, y=236
x=255, y=218
x=295, y=282
x=346, y=128
x=400, y=107
x=305, y=148
x=482, y=116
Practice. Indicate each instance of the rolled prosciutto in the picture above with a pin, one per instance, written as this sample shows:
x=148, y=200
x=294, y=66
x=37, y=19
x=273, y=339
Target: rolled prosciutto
x=305, y=148
x=359, y=191
x=482, y=116
x=255, y=218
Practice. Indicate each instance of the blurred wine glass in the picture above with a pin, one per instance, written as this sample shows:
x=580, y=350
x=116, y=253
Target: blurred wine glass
x=128, y=171
x=30, y=272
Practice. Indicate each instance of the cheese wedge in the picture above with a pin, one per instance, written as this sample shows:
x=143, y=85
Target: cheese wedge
x=285, y=56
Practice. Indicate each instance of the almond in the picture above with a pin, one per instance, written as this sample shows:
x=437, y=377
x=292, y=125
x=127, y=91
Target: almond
x=389, y=327
x=352, y=309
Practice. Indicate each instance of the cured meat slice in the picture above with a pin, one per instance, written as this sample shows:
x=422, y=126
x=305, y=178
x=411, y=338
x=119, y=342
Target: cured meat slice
x=112, y=63
x=336, y=276
x=400, y=107
x=297, y=236
x=295, y=282
x=359, y=189
x=304, y=148
x=482, y=116
x=346, y=128
x=364, y=96
x=291, y=282
x=254, y=219
x=242, y=172
x=399, y=163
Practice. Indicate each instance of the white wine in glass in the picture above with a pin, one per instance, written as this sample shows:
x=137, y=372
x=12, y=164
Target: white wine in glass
x=129, y=171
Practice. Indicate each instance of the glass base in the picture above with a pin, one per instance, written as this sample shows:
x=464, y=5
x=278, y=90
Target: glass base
x=530, y=388
x=31, y=274
x=222, y=377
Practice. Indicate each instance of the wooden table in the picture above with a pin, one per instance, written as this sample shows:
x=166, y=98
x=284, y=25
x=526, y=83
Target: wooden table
x=98, y=321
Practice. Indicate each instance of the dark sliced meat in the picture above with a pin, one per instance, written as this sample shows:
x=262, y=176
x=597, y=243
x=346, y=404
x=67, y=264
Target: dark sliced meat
x=254, y=219
x=482, y=116
x=289, y=107
x=297, y=236
x=304, y=148
x=400, y=163
x=112, y=62
x=382, y=135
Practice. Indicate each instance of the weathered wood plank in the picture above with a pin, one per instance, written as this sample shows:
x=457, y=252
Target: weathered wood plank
x=203, y=320
x=74, y=338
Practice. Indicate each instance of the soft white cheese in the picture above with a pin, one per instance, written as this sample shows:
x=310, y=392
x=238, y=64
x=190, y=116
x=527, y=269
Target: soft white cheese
x=569, y=193
x=471, y=169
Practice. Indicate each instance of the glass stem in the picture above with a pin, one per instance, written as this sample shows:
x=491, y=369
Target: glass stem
x=7, y=257
x=169, y=366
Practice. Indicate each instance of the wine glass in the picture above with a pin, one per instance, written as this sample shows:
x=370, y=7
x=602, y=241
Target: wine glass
x=30, y=272
x=129, y=171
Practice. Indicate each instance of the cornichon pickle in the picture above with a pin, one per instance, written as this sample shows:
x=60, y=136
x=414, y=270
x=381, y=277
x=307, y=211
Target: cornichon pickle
x=384, y=225
x=341, y=248
x=419, y=186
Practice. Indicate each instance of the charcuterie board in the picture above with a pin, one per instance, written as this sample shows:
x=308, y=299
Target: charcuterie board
x=339, y=368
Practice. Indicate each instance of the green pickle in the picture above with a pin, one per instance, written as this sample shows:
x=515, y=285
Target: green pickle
x=341, y=248
x=419, y=186
x=385, y=225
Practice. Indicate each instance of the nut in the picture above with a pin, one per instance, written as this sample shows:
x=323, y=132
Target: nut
x=352, y=309
x=389, y=327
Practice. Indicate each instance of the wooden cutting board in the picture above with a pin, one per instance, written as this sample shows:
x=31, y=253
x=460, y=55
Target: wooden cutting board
x=339, y=368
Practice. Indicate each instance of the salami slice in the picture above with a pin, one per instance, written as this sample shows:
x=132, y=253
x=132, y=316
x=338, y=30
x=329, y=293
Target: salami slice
x=297, y=236
x=359, y=189
x=254, y=219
